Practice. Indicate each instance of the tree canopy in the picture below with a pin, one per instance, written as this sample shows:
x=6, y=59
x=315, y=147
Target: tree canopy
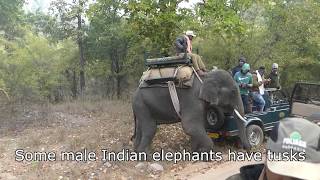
x=98, y=48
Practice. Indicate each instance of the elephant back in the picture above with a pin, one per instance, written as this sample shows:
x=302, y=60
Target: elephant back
x=182, y=75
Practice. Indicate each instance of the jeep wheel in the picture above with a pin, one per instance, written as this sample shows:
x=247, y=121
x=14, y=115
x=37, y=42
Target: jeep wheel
x=215, y=118
x=255, y=135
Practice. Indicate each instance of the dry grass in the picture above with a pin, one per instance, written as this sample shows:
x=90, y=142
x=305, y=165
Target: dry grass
x=74, y=126
x=70, y=126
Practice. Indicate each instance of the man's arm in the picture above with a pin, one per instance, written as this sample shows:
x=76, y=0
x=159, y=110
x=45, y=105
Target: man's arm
x=255, y=83
x=250, y=82
x=179, y=43
x=236, y=79
x=268, y=81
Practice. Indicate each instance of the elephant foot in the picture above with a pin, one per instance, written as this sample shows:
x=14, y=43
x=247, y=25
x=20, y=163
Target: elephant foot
x=146, y=152
x=205, y=148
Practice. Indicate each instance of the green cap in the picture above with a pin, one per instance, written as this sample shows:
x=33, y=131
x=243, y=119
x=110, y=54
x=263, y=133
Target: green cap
x=246, y=67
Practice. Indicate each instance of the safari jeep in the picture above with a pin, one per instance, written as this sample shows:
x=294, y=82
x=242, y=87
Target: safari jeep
x=303, y=102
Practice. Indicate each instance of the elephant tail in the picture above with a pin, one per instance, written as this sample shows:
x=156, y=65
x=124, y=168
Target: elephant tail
x=135, y=128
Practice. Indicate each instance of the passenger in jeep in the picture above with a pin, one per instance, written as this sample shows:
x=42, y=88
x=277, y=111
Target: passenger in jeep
x=257, y=90
x=242, y=61
x=184, y=44
x=274, y=77
x=244, y=80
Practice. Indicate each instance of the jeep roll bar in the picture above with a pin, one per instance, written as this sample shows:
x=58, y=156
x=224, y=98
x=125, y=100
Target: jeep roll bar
x=296, y=86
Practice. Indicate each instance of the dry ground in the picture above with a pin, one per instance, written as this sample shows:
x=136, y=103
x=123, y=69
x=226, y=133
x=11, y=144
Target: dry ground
x=91, y=125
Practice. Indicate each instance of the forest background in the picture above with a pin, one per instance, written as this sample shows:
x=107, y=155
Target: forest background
x=81, y=49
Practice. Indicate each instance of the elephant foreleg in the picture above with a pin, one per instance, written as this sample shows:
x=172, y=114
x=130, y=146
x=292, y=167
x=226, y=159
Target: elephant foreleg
x=199, y=138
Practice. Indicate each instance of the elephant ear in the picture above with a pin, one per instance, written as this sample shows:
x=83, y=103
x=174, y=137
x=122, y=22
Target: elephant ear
x=219, y=88
x=209, y=91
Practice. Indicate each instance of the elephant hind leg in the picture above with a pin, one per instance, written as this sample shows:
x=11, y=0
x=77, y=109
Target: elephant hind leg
x=146, y=129
x=133, y=137
x=137, y=134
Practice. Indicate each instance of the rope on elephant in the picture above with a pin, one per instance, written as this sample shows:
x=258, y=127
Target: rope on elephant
x=197, y=75
x=176, y=71
x=174, y=97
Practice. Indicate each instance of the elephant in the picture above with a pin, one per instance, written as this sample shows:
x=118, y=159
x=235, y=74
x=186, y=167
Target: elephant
x=153, y=106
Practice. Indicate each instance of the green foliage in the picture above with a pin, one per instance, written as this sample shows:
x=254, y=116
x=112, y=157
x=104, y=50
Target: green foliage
x=285, y=32
x=292, y=40
x=222, y=29
x=66, y=15
x=10, y=17
x=295, y=30
x=32, y=67
x=108, y=34
x=109, y=38
x=46, y=25
x=223, y=16
x=39, y=53
x=159, y=21
x=70, y=18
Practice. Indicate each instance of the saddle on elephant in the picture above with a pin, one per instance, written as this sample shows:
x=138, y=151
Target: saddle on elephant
x=161, y=70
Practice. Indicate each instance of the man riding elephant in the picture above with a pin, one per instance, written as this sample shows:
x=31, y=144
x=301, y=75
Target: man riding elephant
x=184, y=44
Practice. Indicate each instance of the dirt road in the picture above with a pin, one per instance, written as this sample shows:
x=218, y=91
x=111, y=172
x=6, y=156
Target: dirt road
x=72, y=127
x=223, y=171
x=94, y=125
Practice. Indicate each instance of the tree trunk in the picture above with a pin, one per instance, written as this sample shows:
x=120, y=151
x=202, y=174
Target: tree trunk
x=115, y=78
x=80, y=44
x=118, y=86
x=115, y=70
x=74, y=84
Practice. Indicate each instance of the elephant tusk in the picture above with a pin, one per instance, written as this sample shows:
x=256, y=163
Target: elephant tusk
x=239, y=116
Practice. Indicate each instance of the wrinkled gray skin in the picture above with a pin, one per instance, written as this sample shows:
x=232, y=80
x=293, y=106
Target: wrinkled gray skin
x=153, y=106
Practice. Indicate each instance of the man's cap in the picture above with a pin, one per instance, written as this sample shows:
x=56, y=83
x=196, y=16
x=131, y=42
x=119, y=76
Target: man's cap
x=275, y=66
x=245, y=67
x=295, y=135
x=262, y=67
x=242, y=59
x=190, y=33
